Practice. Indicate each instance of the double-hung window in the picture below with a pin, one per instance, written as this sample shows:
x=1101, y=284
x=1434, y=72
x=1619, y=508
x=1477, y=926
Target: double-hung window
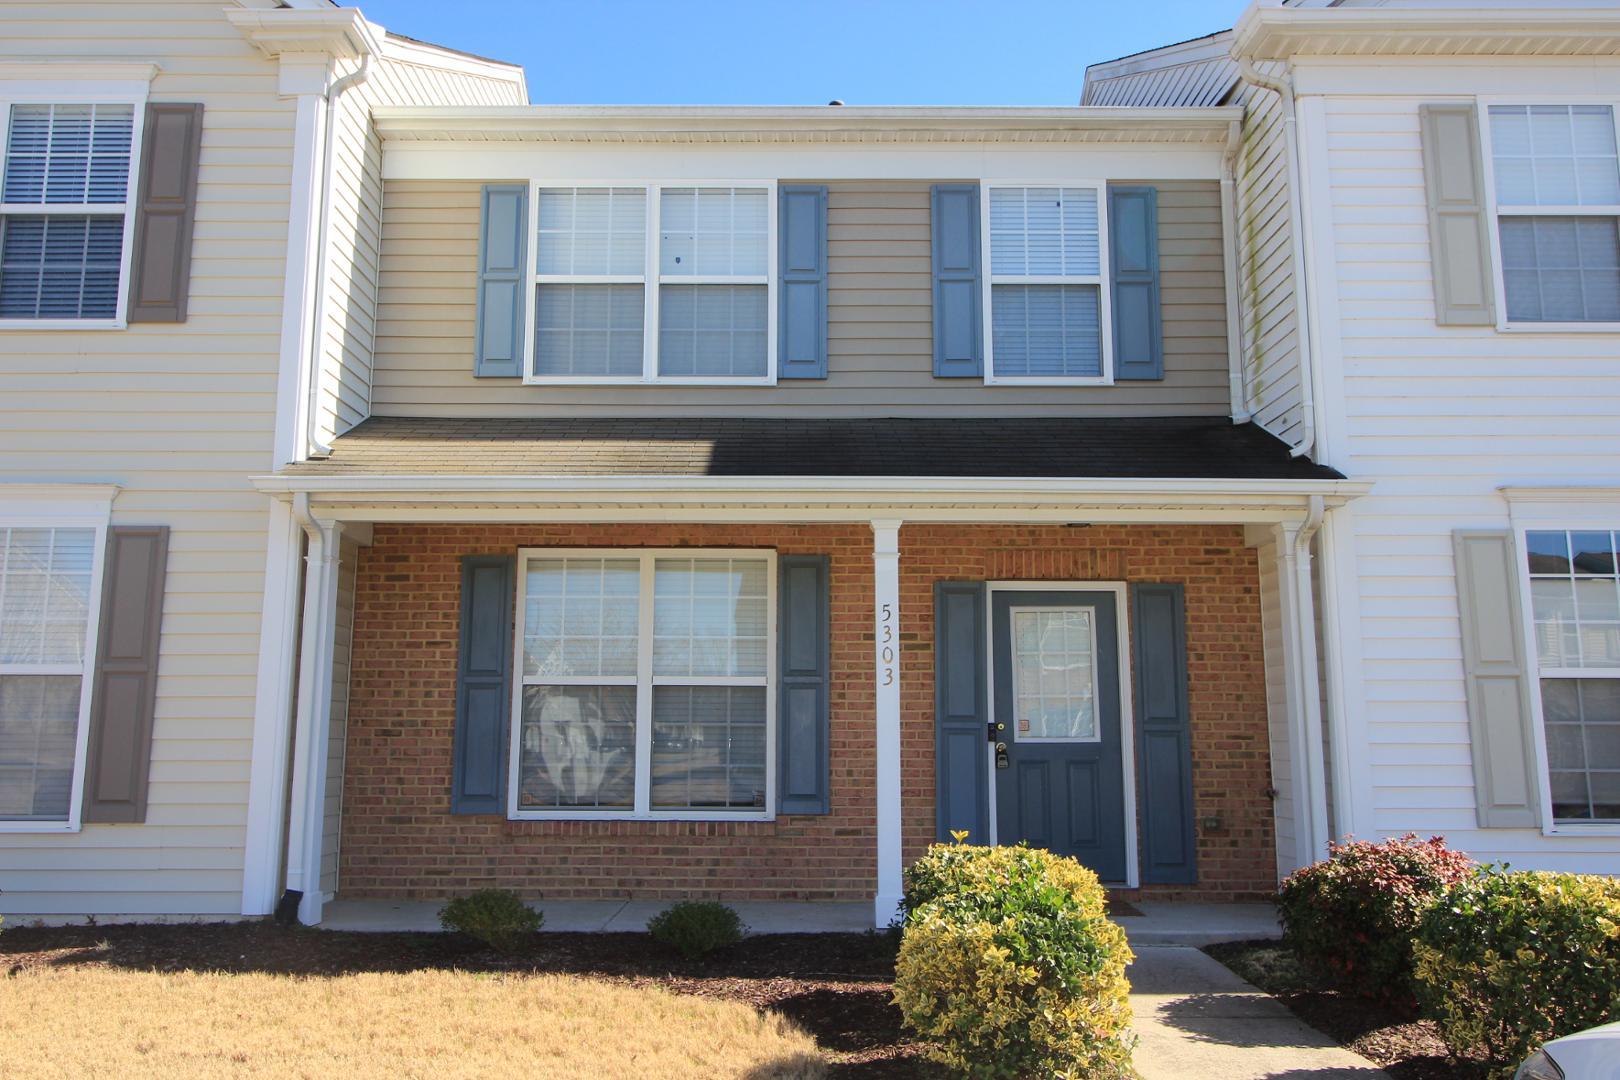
x=1046, y=290
x=1557, y=189
x=46, y=616
x=66, y=211
x=644, y=686
x=653, y=284
x=1575, y=603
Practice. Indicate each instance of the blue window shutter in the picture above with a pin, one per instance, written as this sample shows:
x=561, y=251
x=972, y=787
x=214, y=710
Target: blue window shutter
x=958, y=302
x=503, y=263
x=802, y=307
x=1133, y=240
x=483, y=685
x=961, y=711
x=803, y=713
x=1163, y=735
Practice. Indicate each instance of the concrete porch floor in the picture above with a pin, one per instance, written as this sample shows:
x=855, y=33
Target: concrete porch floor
x=1161, y=923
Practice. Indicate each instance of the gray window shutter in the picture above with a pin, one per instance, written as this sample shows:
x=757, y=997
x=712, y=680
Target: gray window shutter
x=503, y=263
x=124, y=694
x=802, y=309
x=483, y=685
x=958, y=302
x=961, y=711
x=804, y=763
x=1506, y=792
x=1133, y=241
x=1163, y=735
x=1459, y=221
x=165, y=213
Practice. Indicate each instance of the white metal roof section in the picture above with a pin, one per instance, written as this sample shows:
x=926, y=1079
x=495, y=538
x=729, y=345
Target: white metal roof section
x=1432, y=28
x=1191, y=74
x=618, y=124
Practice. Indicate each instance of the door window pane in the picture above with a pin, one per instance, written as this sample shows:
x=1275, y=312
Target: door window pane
x=1054, y=676
x=578, y=747
x=708, y=747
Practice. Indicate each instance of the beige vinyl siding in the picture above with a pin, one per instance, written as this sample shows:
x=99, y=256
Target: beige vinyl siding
x=880, y=344
x=337, y=737
x=179, y=416
x=354, y=231
x=1265, y=257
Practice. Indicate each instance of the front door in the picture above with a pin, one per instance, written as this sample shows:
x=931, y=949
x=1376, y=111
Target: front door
x=1059, y=776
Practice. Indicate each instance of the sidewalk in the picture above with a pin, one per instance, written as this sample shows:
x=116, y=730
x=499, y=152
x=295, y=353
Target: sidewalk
x=1197, y=1020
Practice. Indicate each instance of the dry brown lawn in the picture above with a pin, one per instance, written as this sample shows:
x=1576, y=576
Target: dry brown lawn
x=100, y=1022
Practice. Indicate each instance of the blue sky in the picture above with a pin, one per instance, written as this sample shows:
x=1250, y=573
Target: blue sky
x=876, y=52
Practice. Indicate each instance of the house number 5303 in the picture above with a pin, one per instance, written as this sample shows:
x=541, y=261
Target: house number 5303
x=886, y=644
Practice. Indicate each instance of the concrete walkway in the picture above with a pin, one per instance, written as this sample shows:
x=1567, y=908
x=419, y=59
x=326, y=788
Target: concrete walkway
x=1195, y=1019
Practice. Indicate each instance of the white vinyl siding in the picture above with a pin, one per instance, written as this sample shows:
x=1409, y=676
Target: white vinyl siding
x=1047, y=297
x=1557, y=184
x=65, y=210
x=644, y=685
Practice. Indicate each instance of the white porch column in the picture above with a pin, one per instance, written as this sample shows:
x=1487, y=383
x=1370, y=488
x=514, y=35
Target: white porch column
x=313, y=726
x=1304, y=690
x=886, y=640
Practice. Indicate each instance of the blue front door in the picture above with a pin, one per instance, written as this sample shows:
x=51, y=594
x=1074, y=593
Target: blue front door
x=1059, y=778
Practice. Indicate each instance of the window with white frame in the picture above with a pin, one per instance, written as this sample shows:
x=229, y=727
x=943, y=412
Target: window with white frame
x=701, y=313
x=1575, y=603
x=644, y=688
x=1557, y=183
x=45, y=596
x=1047, y=299
x=65, y=205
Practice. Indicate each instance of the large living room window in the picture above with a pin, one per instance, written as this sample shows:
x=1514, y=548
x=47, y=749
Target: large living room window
x=644, y=684
x=653, y=284
x=1557, y=185
x=65, y=209
x=46, y=579
x=1575, y=601
x=1047, y=302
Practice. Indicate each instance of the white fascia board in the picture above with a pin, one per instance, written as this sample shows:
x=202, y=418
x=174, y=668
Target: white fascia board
x=1211, y=47
x=342, y=33
x=1265, y=32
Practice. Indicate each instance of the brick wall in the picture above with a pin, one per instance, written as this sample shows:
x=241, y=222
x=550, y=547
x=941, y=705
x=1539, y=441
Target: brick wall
x=399, y=839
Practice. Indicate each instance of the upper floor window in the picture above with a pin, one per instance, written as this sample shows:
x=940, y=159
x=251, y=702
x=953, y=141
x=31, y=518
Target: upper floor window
x=65, y=208
x=653, y=283
x=1047, y=300
x=1575, y=603
x=1557, y=182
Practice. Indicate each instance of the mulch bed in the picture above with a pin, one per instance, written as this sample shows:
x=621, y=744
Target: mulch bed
x=1405, y=1048
x=835, y=986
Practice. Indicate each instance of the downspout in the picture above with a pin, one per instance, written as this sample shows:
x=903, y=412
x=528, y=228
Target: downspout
x=1229, y=252
x=1283, y=87
x=318, y=449
x=1309, y=686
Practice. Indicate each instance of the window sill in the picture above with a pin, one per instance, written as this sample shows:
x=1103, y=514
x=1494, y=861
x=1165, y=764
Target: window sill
x=37, y=827
x=1014, y=380
x=630, y=815
x=1567, y=829
x=639, y=380
x=62, y=324
x=1559, y=328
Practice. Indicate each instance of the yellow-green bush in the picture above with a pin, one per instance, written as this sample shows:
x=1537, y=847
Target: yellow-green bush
x=1009, y=966
x=1509, y=960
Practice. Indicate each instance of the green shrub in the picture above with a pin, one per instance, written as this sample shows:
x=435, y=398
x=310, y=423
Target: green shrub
x=696, y=928
x=496, y=917
x=1510, y=960
x=1350, y=919
x=1009, y=966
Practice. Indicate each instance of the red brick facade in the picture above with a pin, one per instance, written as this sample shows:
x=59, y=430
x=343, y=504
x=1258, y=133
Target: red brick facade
x=399, y=839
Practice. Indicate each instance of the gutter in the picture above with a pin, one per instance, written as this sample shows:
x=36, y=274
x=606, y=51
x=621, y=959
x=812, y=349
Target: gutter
x=1283, y=87
x=316, y=448
x=1235, y=353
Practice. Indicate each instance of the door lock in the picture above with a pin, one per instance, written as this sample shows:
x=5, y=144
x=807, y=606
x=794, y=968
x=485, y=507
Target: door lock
x=1002, y=761
x=993, y=728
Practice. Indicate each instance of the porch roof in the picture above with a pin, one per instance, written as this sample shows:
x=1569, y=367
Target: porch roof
x=1157, y=448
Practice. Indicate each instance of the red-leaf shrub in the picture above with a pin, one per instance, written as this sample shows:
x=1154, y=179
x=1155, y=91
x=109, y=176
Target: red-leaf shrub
x=1351, y=918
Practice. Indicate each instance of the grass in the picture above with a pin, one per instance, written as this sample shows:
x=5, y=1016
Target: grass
x=102, y=1022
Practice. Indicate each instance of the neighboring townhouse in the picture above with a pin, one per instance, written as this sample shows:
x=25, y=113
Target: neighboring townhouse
x=162, y=249
x=1429, y=200
x=652, y=502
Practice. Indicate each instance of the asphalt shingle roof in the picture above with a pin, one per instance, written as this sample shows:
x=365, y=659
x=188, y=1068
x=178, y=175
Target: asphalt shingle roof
x=1068, y=447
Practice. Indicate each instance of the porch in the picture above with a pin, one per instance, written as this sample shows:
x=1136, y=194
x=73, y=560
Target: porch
x=1202, y=784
